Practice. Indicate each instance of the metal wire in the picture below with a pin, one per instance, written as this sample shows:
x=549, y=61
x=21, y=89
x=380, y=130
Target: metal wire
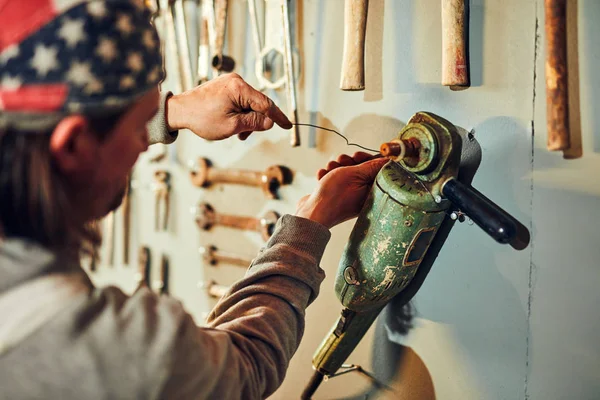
x=339, y=134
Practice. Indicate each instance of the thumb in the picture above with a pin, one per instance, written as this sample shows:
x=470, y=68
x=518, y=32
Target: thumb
x=253, y=121
x=369, y=170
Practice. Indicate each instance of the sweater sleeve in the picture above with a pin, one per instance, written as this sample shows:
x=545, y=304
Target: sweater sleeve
x=255, y=329
x=157, y=127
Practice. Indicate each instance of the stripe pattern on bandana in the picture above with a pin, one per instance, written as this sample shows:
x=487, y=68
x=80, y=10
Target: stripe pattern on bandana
x=91, y=58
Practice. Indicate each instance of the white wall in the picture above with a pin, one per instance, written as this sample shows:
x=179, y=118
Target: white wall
x=489, y=322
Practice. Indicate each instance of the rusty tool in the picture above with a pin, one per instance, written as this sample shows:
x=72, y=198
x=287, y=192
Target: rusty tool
x=455, y=71
x=162, y=189
x=290, y=70
x=94, y=258
x=142, y=277
x=170, y=37
x=126, y=221
x=353, y=61
x=269, y=180
x=213, y=256
x=110, y=233
x=162, y=284
x=207, y=217
x=203, y=50
x=213, y=289
x=220, y=62
x=557, y=94
x=183, y=50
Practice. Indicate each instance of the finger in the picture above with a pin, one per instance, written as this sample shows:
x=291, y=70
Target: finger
x=244, y=135
x=361, y=157
x=345, y=160
x=260, y=103
x=321, y=173
x=369, y=170
x=252, y=121
x=332, y=165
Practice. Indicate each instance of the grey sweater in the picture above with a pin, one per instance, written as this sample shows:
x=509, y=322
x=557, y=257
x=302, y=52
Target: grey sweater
x=107, y=345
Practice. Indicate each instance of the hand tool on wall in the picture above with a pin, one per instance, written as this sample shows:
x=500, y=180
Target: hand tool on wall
x=269, y=181
x=221, y=62
x=256, y=35
x=213, y=256
x=410, y=199
x=142, y=277
x=203, y=50
x=162, y=189
x=207, y=217
x=183, y=50
x=126, y=221
x=455, y=67
x=557, y=94
x=290, y=73
x=169, y=42
x=110, y=238
x=94, y=258
x=353, y=59
x=213, y=289
x=162, y=284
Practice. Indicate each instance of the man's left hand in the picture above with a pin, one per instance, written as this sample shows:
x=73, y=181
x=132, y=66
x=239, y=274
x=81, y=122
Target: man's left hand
x=223, y=107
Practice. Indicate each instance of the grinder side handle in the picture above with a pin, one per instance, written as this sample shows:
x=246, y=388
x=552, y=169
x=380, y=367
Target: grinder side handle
x=499, y=224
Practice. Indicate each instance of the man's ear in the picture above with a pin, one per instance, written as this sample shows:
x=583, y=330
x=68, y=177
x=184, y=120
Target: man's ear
x=72, y=145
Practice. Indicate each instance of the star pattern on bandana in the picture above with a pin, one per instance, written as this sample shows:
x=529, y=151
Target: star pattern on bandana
x=97, y=9
x=106, y=50
x=124, y=24
x=72, y=32
x=8, y=53
x=135, y=62
x=45, y=59
x=11, y=82
x=80, y=73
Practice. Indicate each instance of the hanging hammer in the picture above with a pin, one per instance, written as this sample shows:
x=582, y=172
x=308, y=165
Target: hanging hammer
x=455, y=71
x=355, y=26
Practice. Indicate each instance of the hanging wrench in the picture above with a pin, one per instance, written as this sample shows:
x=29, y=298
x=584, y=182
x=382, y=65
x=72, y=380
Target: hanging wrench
x=290, y=73
x=220, y=62
x=126, y=221
x=170, y=38
x=110, y=235
x=203, y=48
x=162, y=190
x=183, y=50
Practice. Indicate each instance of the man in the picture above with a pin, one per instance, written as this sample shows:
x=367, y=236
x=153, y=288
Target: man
x=78, y=86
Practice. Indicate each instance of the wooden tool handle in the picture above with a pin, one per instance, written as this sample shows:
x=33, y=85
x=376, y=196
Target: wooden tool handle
x=353, y=62
x=239, y=176
x=229, y=258
x=557, y=103
x=454, y=49
x=238, y=222
x=220, y=24
x=126, y=221
x=217, y=291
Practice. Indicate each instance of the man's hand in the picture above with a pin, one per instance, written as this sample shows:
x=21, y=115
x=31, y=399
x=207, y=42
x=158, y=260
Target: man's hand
x=223, y=107
x=343, y=188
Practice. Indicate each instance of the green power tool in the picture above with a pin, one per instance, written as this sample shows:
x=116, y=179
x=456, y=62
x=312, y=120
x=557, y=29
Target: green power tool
x=411, y=197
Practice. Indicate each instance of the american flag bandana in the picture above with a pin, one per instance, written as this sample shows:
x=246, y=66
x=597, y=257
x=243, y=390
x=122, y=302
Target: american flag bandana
x=59, y=57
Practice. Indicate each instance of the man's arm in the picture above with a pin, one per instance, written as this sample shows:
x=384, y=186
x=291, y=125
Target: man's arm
x=218, y=109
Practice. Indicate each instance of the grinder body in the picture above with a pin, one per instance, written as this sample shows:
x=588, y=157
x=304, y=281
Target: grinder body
x=392, y=234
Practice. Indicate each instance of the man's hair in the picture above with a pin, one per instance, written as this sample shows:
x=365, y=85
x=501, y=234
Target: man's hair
x=35, y=202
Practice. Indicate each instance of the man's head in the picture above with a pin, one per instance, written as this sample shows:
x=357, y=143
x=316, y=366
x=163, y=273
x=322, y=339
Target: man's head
x=78, y=84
